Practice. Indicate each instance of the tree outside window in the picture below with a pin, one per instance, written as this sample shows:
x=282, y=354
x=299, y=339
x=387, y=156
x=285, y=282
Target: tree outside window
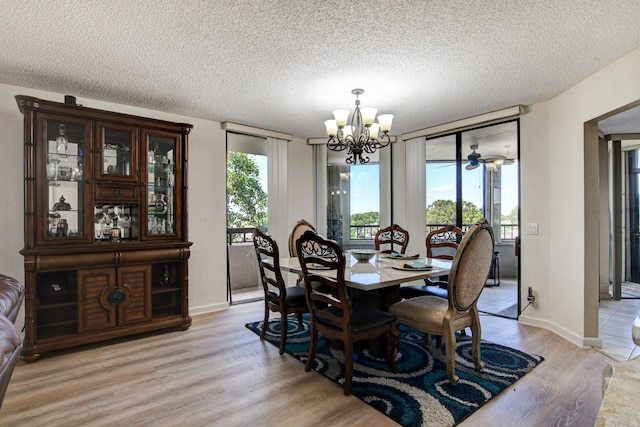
x=246, y=197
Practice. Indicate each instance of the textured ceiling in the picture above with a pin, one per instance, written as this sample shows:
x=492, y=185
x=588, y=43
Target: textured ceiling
x=286, y=64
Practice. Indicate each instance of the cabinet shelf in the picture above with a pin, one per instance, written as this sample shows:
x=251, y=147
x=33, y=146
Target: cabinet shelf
x=164, y=312
x=56, y=305
x=57, y=324
x=164, y=290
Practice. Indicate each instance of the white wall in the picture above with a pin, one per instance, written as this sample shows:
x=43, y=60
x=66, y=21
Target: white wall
x=553, y=185
x=302, y=190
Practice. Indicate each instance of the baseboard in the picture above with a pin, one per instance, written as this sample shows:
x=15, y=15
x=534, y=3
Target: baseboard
x=208, y=308
x=578, y=340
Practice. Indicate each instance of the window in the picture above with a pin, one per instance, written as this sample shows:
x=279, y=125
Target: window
x=462, y=191
x=509, y=201
x=353, y=200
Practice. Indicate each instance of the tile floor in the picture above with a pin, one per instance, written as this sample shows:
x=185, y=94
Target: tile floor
x=614, y=323
x=500, y=300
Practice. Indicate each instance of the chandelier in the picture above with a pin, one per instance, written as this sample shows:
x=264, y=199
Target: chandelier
x=361, y=136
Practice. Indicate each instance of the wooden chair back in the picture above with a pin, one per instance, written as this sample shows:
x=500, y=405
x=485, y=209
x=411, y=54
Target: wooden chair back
x=443, y=242
x=393, y=235
x=298, y=230
x=269, y=264
x=316, y=253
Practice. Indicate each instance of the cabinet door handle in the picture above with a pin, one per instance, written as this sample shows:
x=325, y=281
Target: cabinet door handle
x=116, y=192
x=116, y=297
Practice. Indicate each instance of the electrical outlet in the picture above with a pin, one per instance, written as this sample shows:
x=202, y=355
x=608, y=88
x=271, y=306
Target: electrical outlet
x=531, y=297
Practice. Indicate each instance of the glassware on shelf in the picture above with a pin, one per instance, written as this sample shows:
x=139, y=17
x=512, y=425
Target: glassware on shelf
x=115, y=233
x=62, y=228
x=52, y=171
x=158, y=204
x=61, y=140
x=76, y=174
x=53, y=223
x=100, y=224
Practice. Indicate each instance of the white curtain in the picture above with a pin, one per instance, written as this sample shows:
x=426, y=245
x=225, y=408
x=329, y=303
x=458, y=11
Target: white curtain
x=415, y=194
x=278, y=202
x=321, y=188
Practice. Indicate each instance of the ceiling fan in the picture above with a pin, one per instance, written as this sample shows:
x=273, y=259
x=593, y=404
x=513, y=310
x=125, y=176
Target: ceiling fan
x=491, y=162
x=474, y=158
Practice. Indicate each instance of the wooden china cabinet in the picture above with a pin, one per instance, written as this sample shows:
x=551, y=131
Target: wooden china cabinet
x=106, y=245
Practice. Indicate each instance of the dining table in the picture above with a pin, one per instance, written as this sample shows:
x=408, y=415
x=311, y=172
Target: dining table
x=377, y=282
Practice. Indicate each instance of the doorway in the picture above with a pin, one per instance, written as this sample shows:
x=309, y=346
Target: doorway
x=247, y=208
x=625, y=199
x=619, y=223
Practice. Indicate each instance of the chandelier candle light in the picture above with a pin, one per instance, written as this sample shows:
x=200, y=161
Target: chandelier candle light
x=361, y=134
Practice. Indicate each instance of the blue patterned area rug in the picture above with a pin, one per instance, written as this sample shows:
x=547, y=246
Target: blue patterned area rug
x=419, y=394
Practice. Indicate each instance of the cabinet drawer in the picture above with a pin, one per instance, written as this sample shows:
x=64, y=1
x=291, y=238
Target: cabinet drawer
x=116, y=193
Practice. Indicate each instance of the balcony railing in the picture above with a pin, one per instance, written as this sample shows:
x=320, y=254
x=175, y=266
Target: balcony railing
x=365, y=232
x=368, y=232
x=240, y=235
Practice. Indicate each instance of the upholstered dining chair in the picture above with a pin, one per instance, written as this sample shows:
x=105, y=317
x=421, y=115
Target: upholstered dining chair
x=439, y=316
x=332, y=312
x=298, y=230
x=277, y=296
x=441, y=243
x=393, y=235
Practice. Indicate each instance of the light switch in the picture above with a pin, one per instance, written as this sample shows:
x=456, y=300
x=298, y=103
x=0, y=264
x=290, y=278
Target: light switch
x=531, y=228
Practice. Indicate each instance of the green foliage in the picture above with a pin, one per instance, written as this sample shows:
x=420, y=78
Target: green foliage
x=366, y=218
x=512, y=217
x=444, y=212
x=246, y=200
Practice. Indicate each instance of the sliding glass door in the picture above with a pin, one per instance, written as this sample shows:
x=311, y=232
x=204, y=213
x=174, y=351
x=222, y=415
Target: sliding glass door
x=472, y=174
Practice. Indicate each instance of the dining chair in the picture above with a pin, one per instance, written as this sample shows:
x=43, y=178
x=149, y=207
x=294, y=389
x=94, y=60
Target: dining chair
x=441, y=243
x=443, y=317
x=298, y=230
x=277, y=296
x=333, y=314
x=393, y=235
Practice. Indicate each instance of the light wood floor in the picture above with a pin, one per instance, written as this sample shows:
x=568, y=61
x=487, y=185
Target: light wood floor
x=218, y=373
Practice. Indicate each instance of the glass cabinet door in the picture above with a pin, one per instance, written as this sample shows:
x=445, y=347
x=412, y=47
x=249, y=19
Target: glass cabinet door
x=117, y=153
x=161, y=184
x=65, y=168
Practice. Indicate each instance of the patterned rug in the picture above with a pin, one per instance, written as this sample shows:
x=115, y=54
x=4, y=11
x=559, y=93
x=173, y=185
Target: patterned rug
x=419, y=394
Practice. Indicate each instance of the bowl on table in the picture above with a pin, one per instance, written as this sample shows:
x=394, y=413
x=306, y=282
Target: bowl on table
x=363, y=255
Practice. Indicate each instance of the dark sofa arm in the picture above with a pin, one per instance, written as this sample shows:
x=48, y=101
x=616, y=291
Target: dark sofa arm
x=11, y=296
x=10, y=347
